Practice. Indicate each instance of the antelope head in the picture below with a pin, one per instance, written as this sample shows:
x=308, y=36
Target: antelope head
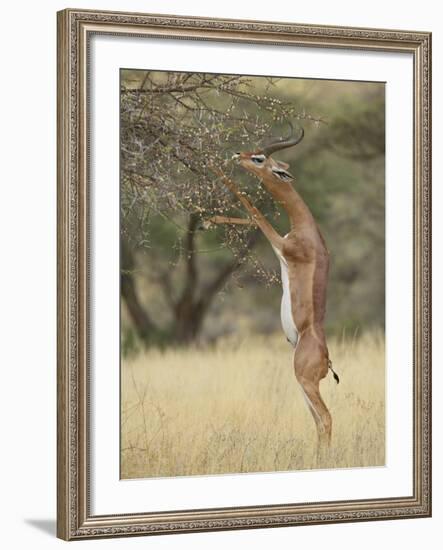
x=273, y=173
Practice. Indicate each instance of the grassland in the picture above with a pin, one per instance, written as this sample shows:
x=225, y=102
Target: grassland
x=236, y=407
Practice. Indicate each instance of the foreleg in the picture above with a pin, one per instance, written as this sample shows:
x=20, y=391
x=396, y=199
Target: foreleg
x=269, y=232
x=217, y=220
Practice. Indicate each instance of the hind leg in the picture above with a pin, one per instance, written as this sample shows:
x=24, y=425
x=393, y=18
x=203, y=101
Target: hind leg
x=319, y=411
x=310, y=366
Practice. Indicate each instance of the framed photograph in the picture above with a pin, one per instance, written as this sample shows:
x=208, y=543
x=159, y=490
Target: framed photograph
x=244, y=284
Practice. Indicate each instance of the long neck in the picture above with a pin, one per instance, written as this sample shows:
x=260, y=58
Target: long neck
x=298, y=212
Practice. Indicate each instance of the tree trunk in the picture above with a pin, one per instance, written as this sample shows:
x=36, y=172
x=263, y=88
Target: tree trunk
x=188, y=323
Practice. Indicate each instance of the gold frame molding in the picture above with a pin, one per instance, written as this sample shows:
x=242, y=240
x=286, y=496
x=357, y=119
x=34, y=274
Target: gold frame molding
x=74, y=519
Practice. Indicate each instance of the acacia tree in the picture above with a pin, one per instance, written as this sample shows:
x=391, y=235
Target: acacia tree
x=175, y=127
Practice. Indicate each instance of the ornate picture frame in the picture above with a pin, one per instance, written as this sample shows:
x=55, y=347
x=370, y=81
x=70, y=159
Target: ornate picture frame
x=75, y=518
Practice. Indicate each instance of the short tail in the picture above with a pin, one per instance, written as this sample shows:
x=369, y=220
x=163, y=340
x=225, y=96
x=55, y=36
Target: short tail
x=336, y=378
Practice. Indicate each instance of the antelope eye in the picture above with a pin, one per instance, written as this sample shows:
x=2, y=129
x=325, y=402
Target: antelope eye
x=258, y=159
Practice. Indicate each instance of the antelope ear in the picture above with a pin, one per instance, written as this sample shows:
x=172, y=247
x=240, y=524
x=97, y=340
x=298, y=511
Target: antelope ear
x=283, y=165
x=283, y=175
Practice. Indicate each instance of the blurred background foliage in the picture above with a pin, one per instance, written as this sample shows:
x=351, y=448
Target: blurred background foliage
x=181, y=284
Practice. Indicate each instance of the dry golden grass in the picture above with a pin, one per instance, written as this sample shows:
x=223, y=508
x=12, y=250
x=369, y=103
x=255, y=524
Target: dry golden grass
x=237, y=408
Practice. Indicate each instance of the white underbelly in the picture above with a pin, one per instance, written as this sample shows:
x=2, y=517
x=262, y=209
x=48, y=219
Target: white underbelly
x=287, y=320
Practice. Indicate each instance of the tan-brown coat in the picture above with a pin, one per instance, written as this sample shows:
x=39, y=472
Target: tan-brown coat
x=307, y=258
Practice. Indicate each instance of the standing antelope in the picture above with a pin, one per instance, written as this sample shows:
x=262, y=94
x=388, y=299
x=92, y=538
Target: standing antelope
x=304, y=261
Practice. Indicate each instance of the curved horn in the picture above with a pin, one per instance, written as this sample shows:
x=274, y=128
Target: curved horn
x=282, y=143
